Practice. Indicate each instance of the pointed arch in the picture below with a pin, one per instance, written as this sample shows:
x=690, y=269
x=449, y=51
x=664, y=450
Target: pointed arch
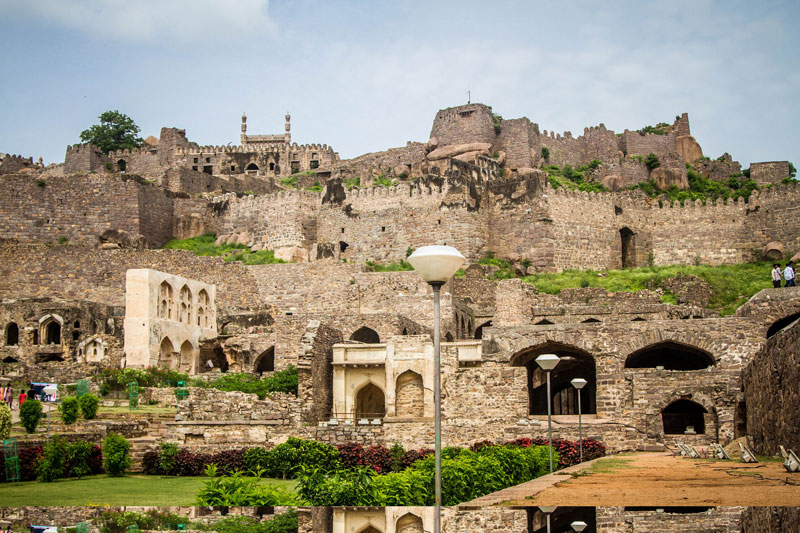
x=369, y=528
x=448, y=337
x=591, y=320
x=409, y=523
x=50, y=330
x=543, y=322
x=479, y=329
x=574, y=363
x=638, y=319
x=627, y=243
x=671, y=355
x=9, y=359
x=186, y=305
x=12, y=334
x=166, y=301
x=202, y=308
x=265, y=361
x=681, y=414
x=370, y=402
x=781, y=323
x=188, y=355
x=365, y=335
x=166, y=353
x=409, y=395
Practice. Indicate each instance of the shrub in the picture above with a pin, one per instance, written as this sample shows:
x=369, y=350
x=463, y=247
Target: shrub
x=116, y=457
x=238, y=490
x=53, y=465
x=88, y=404
x=497, y=121
x=651, y=161
x=545, y=153
x=255, y=458
x=119, y=521
x=295, y=455
x=79, y=456
x=5, y=421
x=151, y=465
x=29, y=459
x=282, y=381
x=29, y=414
x=167, y=458
x=283, y=523
x=69, y=410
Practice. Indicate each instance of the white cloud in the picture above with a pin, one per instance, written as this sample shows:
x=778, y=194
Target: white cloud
x=152, y=20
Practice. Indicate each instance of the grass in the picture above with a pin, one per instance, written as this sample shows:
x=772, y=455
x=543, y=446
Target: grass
x=103, y=490
x=731, y=285
x=390, y=267
x=609, y=465
x=204, y=245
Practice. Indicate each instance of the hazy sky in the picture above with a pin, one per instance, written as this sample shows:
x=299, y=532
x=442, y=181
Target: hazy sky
x=364, y=76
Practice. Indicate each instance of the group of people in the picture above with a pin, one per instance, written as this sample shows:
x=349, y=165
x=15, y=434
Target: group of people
x=787, y=274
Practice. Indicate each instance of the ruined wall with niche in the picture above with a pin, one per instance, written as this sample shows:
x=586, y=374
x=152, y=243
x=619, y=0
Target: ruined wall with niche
x=770, y=172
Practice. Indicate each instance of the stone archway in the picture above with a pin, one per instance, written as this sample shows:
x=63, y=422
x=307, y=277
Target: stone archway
x=188, y=353
x=370, y=402
x=409, y=523
x=670, y=355
x=409, y=395
x=681, y=414
x=166, y=354
x=265, y=361
x=627, y=247
x=12, y=334
x=365, y=335
x=781, y=323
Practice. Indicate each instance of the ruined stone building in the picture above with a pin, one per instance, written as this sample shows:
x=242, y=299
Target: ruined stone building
x=84, y=285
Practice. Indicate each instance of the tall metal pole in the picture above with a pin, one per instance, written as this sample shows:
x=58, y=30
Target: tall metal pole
x=580, y=427
x=548, y=522
x=549, y=422
x=437, y=401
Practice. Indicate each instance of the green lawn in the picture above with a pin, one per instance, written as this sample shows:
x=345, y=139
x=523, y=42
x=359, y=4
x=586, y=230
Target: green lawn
x=731, y=285
x=103, y=490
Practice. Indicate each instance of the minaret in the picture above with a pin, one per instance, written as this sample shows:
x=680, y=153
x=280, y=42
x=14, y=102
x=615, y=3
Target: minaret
x=244, y=127
x=287, y=137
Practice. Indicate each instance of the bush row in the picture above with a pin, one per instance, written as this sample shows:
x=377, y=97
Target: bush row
x=72, y=406
x=119, y=521
x=281, y=381
x=286, y=460
x=466, y=474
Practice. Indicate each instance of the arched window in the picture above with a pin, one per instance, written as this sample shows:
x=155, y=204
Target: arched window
x=543, y=322
x=122, y=165
x=52, y=331
x=186, y=305
x=370, y=402
x=409, y=395
x=448, y=337
x=202, y=308
x=670, y=355
x=681, y=415
x=272, y=166
x=573, y=363
x=166, y=302
x=365, y=335
x=265, y=361
x=778, y=325
x=12, y=334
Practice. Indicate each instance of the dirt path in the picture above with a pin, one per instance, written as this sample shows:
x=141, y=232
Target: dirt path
x=649, y=479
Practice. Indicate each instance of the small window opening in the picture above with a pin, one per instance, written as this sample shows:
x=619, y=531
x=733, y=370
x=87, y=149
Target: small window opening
x=208, y=169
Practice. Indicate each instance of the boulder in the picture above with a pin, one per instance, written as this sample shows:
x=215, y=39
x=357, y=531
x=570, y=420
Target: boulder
x=293, y=254
x=475, y=271
x=613, y=182
x=456, y=149
x=667, y=177
x=432, y=144
x=688, y=148
x=244, y=238
x=468, y=157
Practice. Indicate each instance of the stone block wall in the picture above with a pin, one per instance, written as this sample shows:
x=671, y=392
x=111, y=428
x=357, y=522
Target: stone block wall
x=464, y=124
x=82, y=207
x=82, y=158
x=769, y=172
x=771, y=520
x=771, y=393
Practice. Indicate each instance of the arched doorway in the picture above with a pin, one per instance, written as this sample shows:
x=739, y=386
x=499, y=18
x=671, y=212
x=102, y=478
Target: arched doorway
x=409, y=523
x=365, y=335
x=409, y=395
x=187, y=355
x=166, y=353
x=252, y=168
x=574, y=363
x=628, y=247
x=670, y=355
x=370, y=529
x=265, y=361
x=678, y=416
x=122, y=165
x=12, y=334
x=778, y=325
x=370, y=402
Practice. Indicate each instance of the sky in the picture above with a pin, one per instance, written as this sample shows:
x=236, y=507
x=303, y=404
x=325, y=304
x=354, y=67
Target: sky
x=364, y=76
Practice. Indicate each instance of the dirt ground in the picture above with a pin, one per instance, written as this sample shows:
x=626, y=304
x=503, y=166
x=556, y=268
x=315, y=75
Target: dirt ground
x=649, y=479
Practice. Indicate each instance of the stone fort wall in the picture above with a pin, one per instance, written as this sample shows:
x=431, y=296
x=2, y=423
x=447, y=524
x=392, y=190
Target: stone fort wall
x=82, y=207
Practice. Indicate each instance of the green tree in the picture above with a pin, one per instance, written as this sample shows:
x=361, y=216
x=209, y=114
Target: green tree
x=116, y=131
x=651, y=161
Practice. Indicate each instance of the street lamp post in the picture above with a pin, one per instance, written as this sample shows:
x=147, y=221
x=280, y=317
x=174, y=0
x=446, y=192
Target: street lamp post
x=547, y=510
x=548, y=362
x=579, y=383
x=436, y=265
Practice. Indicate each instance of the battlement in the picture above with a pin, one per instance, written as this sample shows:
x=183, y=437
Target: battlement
x=75, y=149
x=214, y=149
x=16, y=158
x=131, y=151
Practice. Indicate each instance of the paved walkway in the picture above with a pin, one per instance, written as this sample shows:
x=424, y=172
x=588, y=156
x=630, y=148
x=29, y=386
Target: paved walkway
x=655, y=479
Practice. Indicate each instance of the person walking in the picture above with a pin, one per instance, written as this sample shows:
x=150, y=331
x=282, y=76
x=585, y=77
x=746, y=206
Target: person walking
x=788, y=275
x=9, y=397
x=776, y=276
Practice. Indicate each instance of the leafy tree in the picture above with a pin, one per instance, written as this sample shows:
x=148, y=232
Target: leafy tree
x=29, y=414
x=792, y=170
x=651, y=161
x=116, y=131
